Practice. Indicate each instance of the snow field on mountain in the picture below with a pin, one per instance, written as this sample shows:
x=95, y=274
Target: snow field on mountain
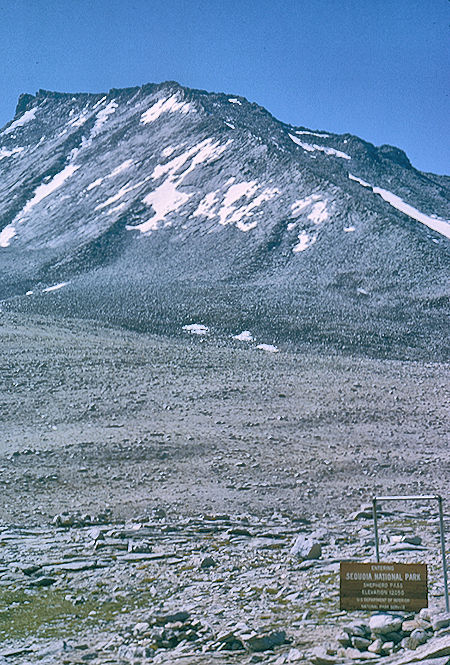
x=45, y=190
x=244, y=336
x=166, y=198
x=318, y=214
x=6, y=235
x=165, y=105
x=94, y=184
x=441, y=226
x=321, y=136
x=79, y=120
x=304, y=241
x=207, y=205
x=49, y=289
x=20, y=122
x=102, y=117
x=322, y=148
x=122, y=167
x=119, y=169
x=41, y=192
x=100, y=101
x=229, y=214
x=4, y=152
x=268, y=347
x=196, y=329
x=223, y=204
x=55, y=287
x=122, y=191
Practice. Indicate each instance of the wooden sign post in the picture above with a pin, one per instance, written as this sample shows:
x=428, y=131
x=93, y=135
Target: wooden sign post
x=383, y=586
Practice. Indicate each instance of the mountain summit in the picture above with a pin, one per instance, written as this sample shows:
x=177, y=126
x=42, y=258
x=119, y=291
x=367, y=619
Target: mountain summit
x=161, y=207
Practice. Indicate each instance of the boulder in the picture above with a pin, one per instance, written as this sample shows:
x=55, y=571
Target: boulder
x=440, y=621
x=432, y=650
x=320, y=656
x=305, y=548
x=411, y=624
x=361, y=643
x=358, y=629
x=265, y=642
x=380, y=624
x=207, y=562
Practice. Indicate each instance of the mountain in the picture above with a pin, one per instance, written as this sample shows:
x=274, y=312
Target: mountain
x=158, y=207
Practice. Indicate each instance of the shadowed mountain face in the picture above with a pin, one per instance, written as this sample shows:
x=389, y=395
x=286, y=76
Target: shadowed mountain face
x=161, y=206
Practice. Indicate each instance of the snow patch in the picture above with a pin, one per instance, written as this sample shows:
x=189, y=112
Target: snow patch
x=332, y=151
x=230, y=214
x=301, y=204
x=268, y=347
x=122, y=191
x=304, y=241
x=321, y=136
x=322, y=148
x=79, y=120
x=244, y=336
x=168, y=151
x=230, y=125
x=7, y=234
x=233, y=100
x=349, y=229
x=40, y=193
x=102, y=116
x=319, y=212
x=20, y=122
x=166, y=198
x=441, y=226
x=305, y=146
x=100, y=101
x=227, y=211
x=361, y=182
x=165, y=105
x=196, y=329
x=118, y=208
x=94, y=184
x=56, y=287
x=122, y=167
x=10, y=153
x=45, y=190
x=207, y=205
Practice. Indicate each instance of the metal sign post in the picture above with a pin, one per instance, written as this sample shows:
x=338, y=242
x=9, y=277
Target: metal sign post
x=431, y=497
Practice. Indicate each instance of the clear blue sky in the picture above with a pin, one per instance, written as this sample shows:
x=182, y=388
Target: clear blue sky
x=375, y=68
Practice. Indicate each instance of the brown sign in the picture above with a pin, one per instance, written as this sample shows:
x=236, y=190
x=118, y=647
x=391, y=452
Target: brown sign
x=383, y=586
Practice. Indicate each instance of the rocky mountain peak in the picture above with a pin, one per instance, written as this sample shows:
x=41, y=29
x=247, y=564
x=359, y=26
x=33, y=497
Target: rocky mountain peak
x=164, y=190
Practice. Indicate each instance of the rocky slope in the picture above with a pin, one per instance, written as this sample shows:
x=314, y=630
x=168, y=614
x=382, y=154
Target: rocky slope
x=160, y=206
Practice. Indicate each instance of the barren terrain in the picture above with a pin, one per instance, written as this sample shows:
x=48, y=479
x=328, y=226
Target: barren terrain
x=95, y=417
x=202, y=458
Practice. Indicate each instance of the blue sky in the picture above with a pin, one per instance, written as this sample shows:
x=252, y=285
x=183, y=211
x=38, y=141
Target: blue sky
x=376, y=68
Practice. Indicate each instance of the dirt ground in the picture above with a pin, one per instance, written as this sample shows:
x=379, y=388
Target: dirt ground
x=97, y=418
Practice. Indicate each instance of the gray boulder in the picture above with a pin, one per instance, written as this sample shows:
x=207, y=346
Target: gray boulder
x=306, y=548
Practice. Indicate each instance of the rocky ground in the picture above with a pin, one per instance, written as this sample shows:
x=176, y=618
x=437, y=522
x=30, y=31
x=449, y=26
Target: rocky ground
x=152, y=487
